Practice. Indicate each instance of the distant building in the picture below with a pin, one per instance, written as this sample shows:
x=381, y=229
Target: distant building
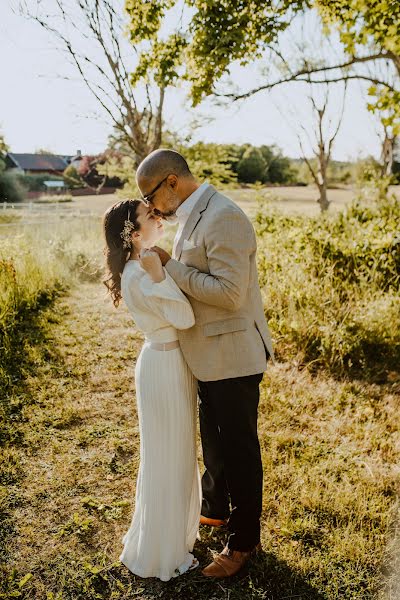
x=40, y=164
x=75, y=160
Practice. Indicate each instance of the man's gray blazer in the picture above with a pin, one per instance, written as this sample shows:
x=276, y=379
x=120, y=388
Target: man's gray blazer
x=231, y=337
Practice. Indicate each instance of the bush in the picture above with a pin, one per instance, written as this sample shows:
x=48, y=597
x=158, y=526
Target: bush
x=72, y=178
x=10, y=188
x=34, y=268
x=252, y=166
x=35, y=183
x=332, y=286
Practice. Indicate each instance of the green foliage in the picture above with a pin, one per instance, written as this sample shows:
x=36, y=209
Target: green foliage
x=372, y=185
x=333, y=285
x=209, y=161
x=161, y=64
x=35, y=183
x=80, y=526
x=263, y=163
x=329, y=448
x=230, y=30
x=363, y=21
x=373, y=25
x=219, y=33
x=10, y=188
x=124, y=169
x=145, y=17
x=220, y=164
x=252, y=166
x=72, y=177
x=3, y=146
x=105, y=511
x=387, y=105
x=34, y=268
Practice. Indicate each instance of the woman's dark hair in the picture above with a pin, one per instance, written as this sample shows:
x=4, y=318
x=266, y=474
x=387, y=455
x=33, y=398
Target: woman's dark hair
x=116, y=254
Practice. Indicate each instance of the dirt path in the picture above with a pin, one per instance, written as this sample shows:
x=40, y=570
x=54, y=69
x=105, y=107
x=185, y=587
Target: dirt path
x=83, y=436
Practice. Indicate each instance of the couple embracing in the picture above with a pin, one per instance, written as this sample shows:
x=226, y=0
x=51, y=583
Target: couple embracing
x=206, y=347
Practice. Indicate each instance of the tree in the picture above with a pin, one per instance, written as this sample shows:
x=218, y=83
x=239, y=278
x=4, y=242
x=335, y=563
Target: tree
x=208, y=161
x=44, y=151
x=220, y=33
x=325, y=132
x=93, y=176
x=3, y=146
x=216, y=34
x=387, y=110
x=374, y=26
x=72, y=178
x=252, y=166
x=396, y=160
x=10, y=189
x=104, y=65
x=369, y=31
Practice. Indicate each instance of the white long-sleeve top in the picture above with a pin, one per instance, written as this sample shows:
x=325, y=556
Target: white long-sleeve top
x=158, y=309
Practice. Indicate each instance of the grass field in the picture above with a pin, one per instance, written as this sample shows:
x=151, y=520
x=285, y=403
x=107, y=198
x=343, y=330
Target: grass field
x=288, y=199
x=330, y=447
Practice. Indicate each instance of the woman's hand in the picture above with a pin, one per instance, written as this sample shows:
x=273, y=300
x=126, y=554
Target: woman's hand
x=151, y=263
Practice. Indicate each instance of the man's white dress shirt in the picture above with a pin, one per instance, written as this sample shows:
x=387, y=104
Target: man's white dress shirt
x=184, y=210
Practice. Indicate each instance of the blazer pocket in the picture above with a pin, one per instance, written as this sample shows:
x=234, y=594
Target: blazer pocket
x=194, y=249
x=224, y=326
x=195, y=257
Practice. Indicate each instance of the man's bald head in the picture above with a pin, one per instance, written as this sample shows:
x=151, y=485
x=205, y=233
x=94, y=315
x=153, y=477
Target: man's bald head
x=165, y=181
x=160, y=164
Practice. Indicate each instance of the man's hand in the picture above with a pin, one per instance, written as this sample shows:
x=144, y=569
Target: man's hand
x=163, y=254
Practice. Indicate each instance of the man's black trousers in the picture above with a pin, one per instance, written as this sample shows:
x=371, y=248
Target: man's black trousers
x=232, y=458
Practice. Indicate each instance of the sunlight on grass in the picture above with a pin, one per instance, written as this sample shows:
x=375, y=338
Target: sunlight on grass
x=328, y=420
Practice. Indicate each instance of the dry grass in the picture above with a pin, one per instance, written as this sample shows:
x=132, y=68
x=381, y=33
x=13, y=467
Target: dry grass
x=70, y=458
x=288, y=199
x=330, y=453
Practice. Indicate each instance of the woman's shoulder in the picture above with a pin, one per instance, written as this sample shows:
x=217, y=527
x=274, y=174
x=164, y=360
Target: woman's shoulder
x=132, y=271
x=131, y=267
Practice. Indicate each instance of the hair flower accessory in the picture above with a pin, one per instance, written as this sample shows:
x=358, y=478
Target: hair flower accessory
x=126, y=232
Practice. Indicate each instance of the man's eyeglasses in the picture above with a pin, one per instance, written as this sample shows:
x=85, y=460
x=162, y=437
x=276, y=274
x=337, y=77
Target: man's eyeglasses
x=147, y=198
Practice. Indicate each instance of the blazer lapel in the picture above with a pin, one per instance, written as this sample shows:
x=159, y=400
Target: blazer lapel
x=193, y=219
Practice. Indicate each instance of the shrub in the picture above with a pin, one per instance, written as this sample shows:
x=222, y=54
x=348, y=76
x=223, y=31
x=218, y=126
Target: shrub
x=10, y=189
x=332, y=286
x=35, y=183
x=34, y=268
x=72, y=178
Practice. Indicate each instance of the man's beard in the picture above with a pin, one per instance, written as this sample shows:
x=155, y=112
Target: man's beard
x=169, y=216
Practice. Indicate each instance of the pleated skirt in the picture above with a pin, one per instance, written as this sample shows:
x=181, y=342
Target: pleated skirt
x=165, y=521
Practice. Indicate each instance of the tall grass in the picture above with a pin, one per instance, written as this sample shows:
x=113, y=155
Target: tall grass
x=37, y=263
x=331, y=283
x=330, y=447
x=332, y=286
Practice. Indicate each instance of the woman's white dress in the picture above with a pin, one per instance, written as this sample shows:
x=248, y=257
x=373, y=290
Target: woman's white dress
x=165, y=522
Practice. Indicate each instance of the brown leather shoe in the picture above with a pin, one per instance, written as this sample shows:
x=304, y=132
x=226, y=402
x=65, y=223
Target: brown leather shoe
x=212, y=522
x=228, y=562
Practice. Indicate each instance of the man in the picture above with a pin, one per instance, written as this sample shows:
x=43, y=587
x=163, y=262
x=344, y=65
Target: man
x=214, y=264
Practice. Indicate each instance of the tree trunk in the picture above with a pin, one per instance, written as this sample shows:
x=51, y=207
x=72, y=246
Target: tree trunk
x=387, y=154
x=323, y=197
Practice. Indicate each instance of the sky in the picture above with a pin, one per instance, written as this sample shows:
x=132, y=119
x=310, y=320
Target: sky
x=41, y=108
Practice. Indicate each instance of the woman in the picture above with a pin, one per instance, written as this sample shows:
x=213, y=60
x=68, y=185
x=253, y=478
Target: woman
x=165, y=522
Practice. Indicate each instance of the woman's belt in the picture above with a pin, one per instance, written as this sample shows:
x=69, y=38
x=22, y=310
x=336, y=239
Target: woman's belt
x=164, y=345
